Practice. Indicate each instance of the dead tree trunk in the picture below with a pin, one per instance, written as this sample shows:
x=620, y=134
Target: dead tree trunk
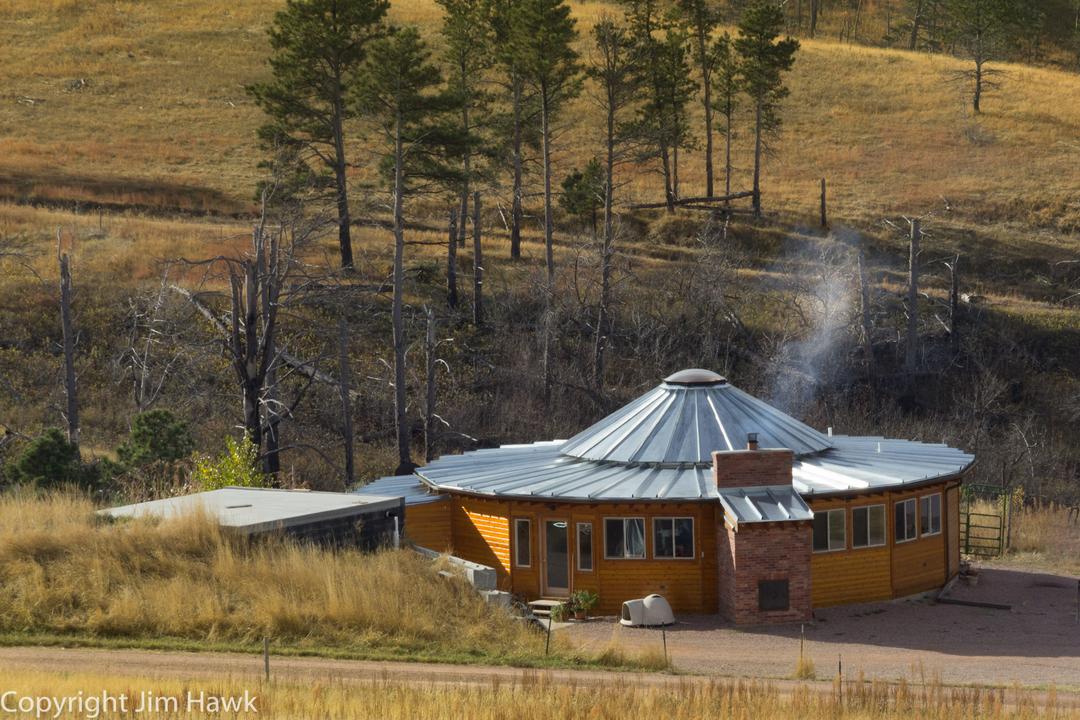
x=430, y=388
x=824, y=213
x=344, y=384
x=517, y=213
x=478, y=266
x=70, y=381
x=867, y=323
x=954, y=303
x=451, y=262
x=405, y=463
x=911, y=348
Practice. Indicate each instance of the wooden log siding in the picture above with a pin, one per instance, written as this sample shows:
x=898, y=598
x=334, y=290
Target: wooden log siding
x=893, y=570
x=481, y=533
x=428, y=525
x=481, y=530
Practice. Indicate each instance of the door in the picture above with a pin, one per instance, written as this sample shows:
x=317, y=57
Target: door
x=556, y=558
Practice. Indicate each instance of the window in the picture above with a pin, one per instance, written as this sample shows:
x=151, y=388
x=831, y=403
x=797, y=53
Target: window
x=673, y=537
x=830, y=532
x=584, y=546
x=773, y=595
x=868, y=526
x=904, y=528
x=624, y=538
x=522, y=542
x=930, y=514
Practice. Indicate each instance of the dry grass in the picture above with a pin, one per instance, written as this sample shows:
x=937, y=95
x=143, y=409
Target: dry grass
x=164, y=118
x=539, y=700
x=63, y=572
x=1046, y=537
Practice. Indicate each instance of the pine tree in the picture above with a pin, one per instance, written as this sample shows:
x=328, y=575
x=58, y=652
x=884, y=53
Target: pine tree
x=662, y=61
x=516, y=130
x=981, y=28
x=400, y=93
x=725, y=64
x=544, y=35
x=701, y=19
x=468, y=40
x=319, y=45
x=762, y=60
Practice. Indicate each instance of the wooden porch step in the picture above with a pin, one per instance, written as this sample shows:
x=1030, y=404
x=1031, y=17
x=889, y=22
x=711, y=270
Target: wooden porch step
x=544, y=606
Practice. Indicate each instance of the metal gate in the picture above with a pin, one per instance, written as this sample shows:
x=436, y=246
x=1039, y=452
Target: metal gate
x=984, y=520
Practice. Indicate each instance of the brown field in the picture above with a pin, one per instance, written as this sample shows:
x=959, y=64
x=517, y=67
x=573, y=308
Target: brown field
x=164, y=121
x=536, y=698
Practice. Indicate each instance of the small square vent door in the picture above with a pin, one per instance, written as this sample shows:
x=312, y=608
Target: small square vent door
x=773, y=595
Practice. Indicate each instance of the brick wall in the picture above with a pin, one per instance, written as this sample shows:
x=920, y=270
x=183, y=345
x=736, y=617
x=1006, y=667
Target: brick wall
x=749, y=468
x=764, y=551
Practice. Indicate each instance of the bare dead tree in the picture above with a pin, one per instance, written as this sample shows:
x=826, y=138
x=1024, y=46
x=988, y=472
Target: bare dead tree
x=71, y=390
x=344, y=386
x=954, y=302
x=911, y=347
x=261, y=282
x=867, y=322
x=478, y=265
x=150, y=357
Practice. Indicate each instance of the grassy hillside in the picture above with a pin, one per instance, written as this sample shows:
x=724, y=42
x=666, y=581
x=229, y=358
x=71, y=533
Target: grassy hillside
x=69, y=577
x=126, y=124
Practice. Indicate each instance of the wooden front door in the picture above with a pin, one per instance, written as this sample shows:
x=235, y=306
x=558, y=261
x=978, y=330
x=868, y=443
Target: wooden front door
x=556, y=558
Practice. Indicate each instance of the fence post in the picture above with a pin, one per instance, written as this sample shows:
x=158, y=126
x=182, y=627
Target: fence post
x=967, y=532
x=266, y=657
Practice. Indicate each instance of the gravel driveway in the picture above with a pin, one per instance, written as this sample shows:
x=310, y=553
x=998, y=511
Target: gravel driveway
x=1035, y=643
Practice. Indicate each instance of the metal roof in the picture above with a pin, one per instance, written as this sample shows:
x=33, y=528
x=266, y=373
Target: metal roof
x=543, y=471
x=684, y=420
x=858, y=464
x=253, y=510
x=769, y=503
x=409, y=487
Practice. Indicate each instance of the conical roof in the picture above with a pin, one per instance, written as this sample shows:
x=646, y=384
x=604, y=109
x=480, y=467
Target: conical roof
x=687, y=417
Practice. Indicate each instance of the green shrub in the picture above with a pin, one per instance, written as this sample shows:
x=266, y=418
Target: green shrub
x=237, y=466
x=156, y=436
x=50, y=461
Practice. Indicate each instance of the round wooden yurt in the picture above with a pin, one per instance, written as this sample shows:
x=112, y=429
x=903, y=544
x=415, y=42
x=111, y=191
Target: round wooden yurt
x=706, y=495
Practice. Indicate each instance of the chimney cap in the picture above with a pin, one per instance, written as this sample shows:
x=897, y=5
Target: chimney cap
x=751, y=440
x=695, y=376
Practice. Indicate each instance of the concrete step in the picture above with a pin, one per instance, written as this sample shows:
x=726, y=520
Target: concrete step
x=543, y=607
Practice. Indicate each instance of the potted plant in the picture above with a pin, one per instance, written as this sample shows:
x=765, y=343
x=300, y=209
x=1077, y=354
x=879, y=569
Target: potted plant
x=582, y=601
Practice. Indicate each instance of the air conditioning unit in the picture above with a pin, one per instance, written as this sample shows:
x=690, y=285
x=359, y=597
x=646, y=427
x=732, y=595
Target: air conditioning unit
x=649, y=611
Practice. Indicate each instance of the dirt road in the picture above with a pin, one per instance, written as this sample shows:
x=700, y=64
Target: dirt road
x=150, y=665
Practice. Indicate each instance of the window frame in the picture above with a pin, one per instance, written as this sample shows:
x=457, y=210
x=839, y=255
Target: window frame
x=592, y=546
x=922, y=533
x=517, y=548
x=828, y=530
x=884, y=519
x=693, y=537
x=644, y=538
x=915, y=506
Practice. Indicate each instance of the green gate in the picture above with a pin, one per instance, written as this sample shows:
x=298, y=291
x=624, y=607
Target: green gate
x=984, y=520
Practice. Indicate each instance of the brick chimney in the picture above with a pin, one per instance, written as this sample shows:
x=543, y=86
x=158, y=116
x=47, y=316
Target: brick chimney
x=752, y=467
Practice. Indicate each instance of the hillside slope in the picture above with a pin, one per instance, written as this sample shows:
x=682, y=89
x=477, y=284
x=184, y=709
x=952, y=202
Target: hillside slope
x=139, y=108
